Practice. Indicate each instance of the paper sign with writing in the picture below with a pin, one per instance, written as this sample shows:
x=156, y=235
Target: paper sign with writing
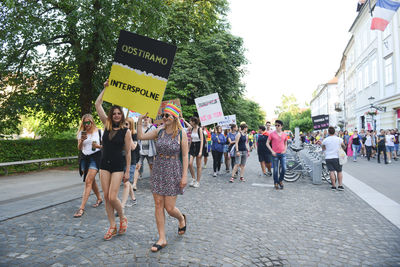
x=209, y=109
x=227, y=122
x=139, y=73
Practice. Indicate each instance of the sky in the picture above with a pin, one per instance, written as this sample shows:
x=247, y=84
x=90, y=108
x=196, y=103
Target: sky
x=292, y=46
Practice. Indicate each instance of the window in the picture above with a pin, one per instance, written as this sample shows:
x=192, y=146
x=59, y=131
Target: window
x=360, y=81
x=387, y=31
x=388, y=68
x=374, y=71
x=366, y=76
x=365, y=39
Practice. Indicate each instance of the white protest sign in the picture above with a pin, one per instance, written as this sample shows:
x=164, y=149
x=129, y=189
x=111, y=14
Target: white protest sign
x=228, y=120
x=209, y=109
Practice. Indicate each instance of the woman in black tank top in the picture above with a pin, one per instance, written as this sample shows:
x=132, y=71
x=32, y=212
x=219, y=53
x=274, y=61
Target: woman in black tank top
x=116, y=138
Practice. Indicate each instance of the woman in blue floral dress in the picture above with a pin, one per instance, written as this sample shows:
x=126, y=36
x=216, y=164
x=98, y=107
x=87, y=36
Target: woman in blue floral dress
x=169, y=175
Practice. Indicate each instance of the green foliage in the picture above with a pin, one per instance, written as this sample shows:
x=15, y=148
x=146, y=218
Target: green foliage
x=56, y=55
x=301, y=120
x=27, y=149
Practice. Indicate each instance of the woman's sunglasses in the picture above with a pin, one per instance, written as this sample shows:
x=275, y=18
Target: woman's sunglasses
x=87, y=122
x=165, y=115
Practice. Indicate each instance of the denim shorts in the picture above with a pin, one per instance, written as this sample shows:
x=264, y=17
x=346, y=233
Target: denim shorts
x=92, y=165
x=396, y=147
x=132, y=172
x=389, y=148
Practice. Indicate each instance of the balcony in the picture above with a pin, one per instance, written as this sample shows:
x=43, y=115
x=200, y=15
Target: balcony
x=338, y=107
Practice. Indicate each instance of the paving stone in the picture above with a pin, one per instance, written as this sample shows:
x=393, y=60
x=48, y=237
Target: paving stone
x=228, y=225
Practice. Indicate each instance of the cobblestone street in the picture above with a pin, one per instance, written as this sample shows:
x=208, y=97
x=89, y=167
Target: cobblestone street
x=249, y=224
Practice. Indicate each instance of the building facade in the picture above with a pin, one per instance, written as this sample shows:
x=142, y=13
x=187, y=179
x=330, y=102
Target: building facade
x=369, y=75
x=323, y=102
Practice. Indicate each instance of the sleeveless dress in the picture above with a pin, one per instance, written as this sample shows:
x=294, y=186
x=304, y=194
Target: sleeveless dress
x=167, y=172
x=112, y=159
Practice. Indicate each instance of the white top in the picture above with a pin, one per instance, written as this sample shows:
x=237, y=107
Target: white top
x=389, y=140
x=368, y=140
x=195, y=136
x=332, y=145
x=87, y=144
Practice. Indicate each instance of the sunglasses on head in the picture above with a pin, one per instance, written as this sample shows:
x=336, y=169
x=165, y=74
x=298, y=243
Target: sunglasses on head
x=165, y=115
x=87, y=122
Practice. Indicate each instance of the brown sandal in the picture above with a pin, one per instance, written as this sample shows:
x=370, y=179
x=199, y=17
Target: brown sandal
x=98, y=203
x=123, y=225
x=112, y=231
x=79, y=213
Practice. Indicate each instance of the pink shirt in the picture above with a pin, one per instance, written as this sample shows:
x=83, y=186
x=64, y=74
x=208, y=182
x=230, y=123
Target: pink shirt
x=278, y=142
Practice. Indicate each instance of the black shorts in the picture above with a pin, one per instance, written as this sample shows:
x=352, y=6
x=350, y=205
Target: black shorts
x=112, y=165
x=194, y=149
x=333, y=165
x=267, y=158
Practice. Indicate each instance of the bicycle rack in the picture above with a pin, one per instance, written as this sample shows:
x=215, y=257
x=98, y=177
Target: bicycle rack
x=314, y=161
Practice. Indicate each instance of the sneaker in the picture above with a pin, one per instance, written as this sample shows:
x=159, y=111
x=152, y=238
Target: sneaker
x=340, y=188
x=192, y=183
x=227, y=171
x=242, y=179
x=231, y=180
x=276, y=187
x=390, y=161
x=269, y=174
x=333, y=188
x=196, y=185
x=215, y=174
x=354, y=160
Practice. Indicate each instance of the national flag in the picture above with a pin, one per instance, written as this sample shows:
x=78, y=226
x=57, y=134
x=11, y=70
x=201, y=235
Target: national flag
x=383, y=13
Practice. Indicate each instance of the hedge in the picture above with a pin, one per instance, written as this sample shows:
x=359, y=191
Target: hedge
x=27, y=149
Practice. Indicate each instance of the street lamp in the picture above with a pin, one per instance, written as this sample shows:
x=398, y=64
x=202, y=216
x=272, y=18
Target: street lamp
x=380, y=108
x=371, y=102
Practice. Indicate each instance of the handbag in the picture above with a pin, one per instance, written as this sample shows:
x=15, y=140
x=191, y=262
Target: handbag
x=342, y=157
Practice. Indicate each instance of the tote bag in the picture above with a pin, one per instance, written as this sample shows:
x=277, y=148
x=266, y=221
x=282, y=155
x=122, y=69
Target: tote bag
x=342, y=157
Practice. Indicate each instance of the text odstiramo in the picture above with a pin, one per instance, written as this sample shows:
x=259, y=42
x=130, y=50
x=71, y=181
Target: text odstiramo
x=144, y=54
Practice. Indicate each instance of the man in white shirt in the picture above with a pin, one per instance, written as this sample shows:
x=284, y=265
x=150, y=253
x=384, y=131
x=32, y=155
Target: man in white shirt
x=331, y=146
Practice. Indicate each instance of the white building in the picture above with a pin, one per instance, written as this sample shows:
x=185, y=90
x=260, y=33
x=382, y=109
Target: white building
x=323, y=101
x=370, y=67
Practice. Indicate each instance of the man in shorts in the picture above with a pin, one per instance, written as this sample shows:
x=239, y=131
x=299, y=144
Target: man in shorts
x=331, y=146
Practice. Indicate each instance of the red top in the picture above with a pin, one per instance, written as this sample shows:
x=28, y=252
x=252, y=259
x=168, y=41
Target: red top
x=278, y=141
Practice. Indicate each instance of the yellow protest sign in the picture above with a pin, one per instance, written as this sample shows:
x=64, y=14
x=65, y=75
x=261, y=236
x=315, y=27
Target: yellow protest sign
x=139, y=73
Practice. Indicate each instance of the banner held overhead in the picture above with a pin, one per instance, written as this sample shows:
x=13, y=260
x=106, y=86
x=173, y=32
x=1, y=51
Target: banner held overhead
x=139, y=73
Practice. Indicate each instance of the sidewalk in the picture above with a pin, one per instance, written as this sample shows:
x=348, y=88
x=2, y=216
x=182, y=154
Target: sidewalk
x=239, y=224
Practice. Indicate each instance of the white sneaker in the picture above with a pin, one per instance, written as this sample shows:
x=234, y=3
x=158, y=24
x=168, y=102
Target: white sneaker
x=192, y=183
x=390, y=161
x=196, y=185
x=215, y=174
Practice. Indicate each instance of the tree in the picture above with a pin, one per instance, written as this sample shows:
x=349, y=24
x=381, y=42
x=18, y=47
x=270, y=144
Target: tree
x=303, y=121
x=289, y=104
x=67, y=48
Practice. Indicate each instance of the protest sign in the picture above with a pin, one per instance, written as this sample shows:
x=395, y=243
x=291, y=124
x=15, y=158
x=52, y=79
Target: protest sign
x=209, y=109
x=227, y=121
x=320, y=122
x=139, y=73
x=158, y=119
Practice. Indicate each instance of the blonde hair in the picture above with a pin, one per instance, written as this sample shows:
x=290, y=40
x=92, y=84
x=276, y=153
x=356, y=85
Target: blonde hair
x=131, y=125
x=82, y=127
x=109, y=122
x=176, y=127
